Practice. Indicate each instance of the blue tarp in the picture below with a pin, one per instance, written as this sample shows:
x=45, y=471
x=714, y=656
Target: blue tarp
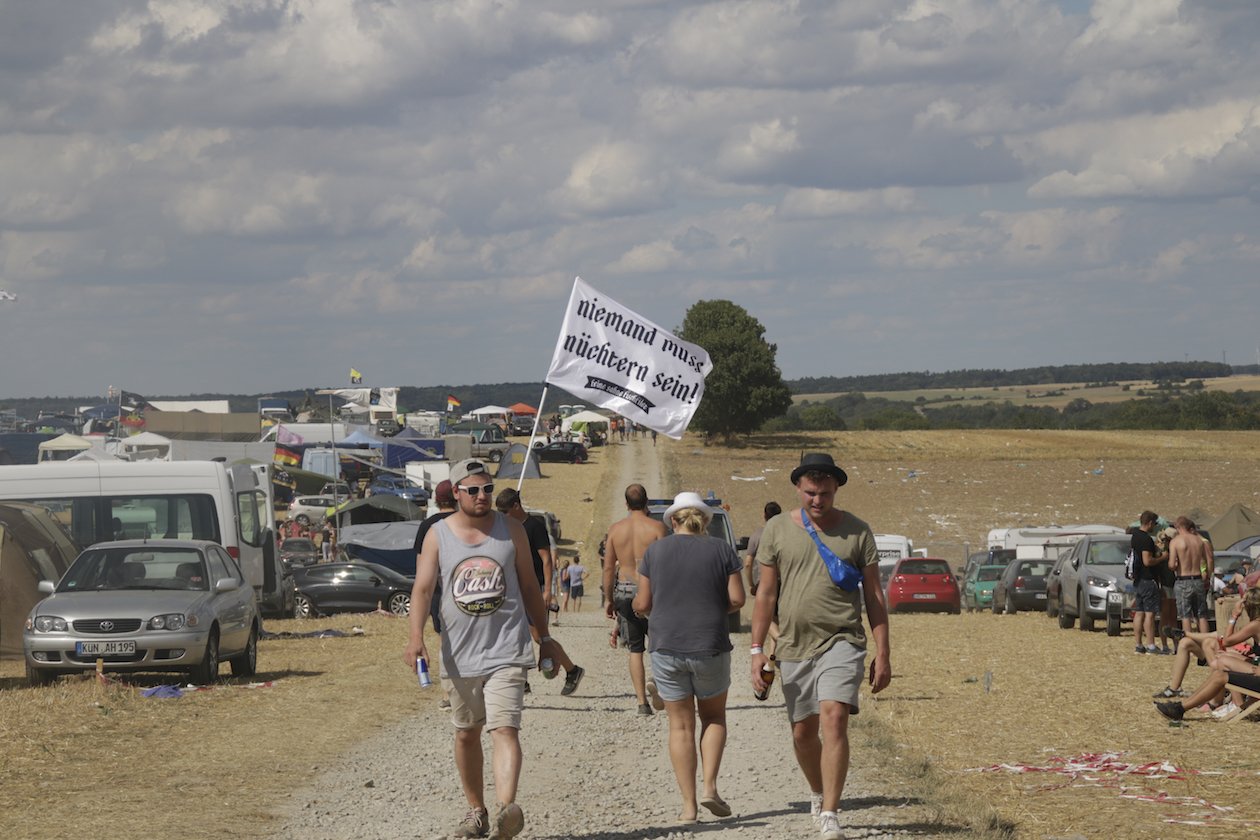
x=400, y=452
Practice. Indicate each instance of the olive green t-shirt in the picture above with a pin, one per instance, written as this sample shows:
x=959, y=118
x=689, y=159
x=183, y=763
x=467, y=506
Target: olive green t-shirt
x=814, y=613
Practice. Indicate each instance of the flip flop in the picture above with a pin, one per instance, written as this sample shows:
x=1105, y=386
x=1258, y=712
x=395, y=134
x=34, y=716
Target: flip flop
x=716, y=806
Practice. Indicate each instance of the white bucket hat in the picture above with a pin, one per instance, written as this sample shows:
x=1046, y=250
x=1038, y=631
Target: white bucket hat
x=689, y=499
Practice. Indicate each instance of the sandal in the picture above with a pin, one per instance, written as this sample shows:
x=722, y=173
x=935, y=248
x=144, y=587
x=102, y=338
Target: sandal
x=716, y=806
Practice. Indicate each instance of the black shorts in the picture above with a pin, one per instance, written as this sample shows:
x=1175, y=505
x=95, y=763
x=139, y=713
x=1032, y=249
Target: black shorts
x=1148, y=596
x=634, y=628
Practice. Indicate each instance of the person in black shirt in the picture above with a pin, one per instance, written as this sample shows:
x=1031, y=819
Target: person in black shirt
x=1146, y=561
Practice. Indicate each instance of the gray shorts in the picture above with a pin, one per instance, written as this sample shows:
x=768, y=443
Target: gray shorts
x=1191, y=599
x=836, y=675
x=1146, y=596
x=702, y=676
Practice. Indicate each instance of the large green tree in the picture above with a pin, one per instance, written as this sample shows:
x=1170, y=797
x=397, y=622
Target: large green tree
x=745, y=388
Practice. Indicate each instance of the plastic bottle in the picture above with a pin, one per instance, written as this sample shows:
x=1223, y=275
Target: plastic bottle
x=767, y=677
x=422, y=672
x=548, y=668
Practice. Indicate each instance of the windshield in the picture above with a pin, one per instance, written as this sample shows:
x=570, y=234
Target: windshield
x=1034, y=568
x=137, y=567
x=990, y=572
x=297, y=544
x=928, y=567
x=1107, y=553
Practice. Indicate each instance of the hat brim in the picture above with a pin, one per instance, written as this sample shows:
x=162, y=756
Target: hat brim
x=705, y=510
x=835, y=472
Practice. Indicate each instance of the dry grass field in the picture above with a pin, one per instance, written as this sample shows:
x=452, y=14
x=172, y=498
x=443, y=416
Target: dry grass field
x=1055, y=396
x=80, y=759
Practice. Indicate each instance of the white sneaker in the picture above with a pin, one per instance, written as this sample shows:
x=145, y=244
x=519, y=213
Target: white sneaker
x=815, y=805
x=1225, y=711
x=829, y=826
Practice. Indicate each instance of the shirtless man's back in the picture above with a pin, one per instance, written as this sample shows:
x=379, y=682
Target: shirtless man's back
x=623, y=549
x=1190, y=559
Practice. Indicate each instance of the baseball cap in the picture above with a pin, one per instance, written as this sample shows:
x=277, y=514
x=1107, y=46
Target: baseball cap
x=463, y=469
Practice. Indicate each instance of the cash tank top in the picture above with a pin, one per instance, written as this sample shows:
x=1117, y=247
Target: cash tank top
x=484, y=626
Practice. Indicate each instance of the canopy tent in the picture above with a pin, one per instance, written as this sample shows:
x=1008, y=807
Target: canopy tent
x=94, y=455
x=146, y=446
x=33, y=547
x=489, y=411
x=513, y=464
x=391, y=544
x=377, y=509
x=521, y=408
x=584, y=420
x=1237, y=522
x=63, y=447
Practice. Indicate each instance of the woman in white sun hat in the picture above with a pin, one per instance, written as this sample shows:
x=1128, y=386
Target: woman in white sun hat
x=688, y=582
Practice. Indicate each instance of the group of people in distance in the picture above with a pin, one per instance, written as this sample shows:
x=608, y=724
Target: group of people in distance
x=1232, y=653
x=673, y=589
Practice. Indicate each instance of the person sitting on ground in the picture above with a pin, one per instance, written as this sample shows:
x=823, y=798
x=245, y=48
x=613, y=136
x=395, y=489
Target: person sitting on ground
x=1208, y=646
x=1226, y=663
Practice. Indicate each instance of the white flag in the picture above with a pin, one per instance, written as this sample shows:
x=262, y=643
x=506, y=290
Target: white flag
x=608, y=355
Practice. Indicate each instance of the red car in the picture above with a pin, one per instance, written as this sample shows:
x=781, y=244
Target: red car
x=923, y=583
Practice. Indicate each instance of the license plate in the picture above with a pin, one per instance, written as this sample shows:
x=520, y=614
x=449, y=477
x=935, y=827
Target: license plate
x=925, y=596
x=1041, y=595
x=1114, y=597
x=114, y=648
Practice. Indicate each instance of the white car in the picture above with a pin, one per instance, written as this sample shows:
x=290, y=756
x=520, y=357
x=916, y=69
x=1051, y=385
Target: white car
x=308, y=509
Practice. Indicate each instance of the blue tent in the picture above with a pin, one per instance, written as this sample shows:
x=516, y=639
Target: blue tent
x=361, y=438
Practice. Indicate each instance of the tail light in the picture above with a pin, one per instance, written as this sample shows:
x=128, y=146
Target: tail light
x=1019, y=582
x=949, y=578
x=898, y=579
x=234, y=552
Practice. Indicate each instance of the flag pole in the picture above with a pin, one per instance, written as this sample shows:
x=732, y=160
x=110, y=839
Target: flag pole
x=533, y=434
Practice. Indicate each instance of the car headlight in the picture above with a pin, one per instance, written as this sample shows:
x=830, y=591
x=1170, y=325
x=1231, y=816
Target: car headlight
x=48, y=624
x=168, y=621
x=1100, y=582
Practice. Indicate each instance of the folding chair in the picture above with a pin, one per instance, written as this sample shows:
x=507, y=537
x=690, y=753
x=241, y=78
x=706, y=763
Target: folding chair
x=1250, y=710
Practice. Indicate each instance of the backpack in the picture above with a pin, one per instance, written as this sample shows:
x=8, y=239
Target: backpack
x=1128, y=565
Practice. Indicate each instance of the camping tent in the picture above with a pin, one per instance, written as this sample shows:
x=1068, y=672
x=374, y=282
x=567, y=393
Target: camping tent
x=585, y=420
x=63, y=447
x=392, y=544
x=1237, y=522
x=33, y=547
x=377, y=509
x=514, y=462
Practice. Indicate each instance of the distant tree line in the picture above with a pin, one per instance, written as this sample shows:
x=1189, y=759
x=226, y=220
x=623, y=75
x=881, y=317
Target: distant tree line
x=980, y=378
x=1191, y=410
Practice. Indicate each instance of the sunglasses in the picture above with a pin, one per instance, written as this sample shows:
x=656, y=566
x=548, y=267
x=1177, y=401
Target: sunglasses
x=476, y=489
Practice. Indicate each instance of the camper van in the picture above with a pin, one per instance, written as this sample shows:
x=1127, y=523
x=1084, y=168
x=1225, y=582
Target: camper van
x=198, y=500
x=1044, y=543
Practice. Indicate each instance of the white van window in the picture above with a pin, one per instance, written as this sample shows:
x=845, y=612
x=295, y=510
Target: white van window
x=94, y=519
x=251, y=514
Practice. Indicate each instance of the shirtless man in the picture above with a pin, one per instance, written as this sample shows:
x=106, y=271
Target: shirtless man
x=1190, y=558
x=623, y=549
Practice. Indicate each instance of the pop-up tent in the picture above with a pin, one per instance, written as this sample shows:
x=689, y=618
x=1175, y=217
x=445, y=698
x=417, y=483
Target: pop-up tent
x=63, y=447
x=585, y=421
x=513, y=463
x=33, y=547
x=1237, y=522
x=520, y=409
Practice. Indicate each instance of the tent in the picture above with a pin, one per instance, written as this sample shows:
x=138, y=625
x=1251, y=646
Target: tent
x=584, y=420
x=521, y=408
x=33, y=547
x=490, y=411
x=377, y=509
x=63, y=447
x=392, y=544
x=359, y=437
x=401, y=452
x=514, y=462
x=146, y=446
x=1237, y=522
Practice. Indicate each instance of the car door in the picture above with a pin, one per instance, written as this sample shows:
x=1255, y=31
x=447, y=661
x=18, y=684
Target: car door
x=232, y=608
x=362, y=589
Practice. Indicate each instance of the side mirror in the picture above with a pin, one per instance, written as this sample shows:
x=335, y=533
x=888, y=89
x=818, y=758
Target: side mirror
x=226, y=585
x=1076, y=562
x=375, y=580
x=46, y=587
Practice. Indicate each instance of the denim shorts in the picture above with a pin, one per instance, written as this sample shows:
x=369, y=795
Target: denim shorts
x=701, y=676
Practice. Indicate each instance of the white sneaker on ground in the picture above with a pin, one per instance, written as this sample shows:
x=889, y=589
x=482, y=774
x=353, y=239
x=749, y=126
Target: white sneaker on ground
x=815, y=805
x=829, y=826
x=1225, y=711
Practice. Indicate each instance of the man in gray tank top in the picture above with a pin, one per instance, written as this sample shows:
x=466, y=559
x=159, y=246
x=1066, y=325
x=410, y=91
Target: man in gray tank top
x=481, y=557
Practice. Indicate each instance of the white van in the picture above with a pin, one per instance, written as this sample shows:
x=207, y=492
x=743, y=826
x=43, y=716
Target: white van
x=891, y=548
x=1044, y=543
x=197, y=500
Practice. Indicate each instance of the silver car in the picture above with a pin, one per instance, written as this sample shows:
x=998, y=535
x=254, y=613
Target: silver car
x=1087, y=578
x=145, y=605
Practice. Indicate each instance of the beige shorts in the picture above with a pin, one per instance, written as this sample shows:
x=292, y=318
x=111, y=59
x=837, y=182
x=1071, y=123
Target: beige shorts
x=491, y=701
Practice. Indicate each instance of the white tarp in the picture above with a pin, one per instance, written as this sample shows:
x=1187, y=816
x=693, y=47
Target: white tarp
x=384, y=398
x=614, y=358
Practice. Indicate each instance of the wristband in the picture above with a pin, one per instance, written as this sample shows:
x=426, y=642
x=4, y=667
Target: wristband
x=542, y=639
x=754, y=650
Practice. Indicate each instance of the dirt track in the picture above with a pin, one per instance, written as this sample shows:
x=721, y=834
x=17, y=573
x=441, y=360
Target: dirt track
x=593, y=768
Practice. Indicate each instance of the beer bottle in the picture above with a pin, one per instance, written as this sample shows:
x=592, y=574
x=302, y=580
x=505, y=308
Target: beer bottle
x=767, y=677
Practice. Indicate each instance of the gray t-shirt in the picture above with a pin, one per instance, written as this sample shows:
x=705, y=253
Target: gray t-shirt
x=753, y=542
x=484, y=626
x=688, y=575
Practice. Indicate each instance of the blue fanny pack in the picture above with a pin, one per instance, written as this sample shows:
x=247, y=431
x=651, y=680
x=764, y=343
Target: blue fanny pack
x=843, y=573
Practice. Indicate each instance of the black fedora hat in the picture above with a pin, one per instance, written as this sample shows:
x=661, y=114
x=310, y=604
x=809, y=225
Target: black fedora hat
x=819, y=462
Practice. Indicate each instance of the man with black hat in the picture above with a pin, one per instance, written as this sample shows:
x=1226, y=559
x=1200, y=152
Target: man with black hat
x=489, y=601
x=813, y=559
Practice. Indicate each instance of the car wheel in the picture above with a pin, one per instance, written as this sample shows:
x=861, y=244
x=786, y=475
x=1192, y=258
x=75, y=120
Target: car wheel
x=1010, y=607
x=1087, y=623
x=1065, y=621
x=400, y=603
x=993, y=606
x=245, y=664
x=303, y=519
x=1052, y=606
x=303, y=607
x=496, y=456
x=36, y=677
x=208, y=671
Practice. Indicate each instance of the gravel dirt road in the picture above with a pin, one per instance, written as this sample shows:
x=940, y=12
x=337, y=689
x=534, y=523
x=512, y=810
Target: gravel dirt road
x=593, y=768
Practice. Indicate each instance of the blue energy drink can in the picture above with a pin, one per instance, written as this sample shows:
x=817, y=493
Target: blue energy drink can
x=422, y=673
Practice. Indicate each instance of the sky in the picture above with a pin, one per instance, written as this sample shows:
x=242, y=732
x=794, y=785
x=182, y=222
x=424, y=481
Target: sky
x=241, y=196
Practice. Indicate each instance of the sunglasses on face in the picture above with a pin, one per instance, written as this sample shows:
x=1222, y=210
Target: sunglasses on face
x=475, y=489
